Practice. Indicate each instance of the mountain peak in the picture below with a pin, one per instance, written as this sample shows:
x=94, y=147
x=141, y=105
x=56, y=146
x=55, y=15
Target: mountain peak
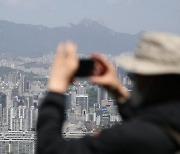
x=34, y=40
x=90, y=22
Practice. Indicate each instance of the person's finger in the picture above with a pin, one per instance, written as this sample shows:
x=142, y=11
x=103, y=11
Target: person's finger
x=101, y=59
x=59, y=55
x=96, y=80
x=99, y=69
x=60, y=51
x=71, y=49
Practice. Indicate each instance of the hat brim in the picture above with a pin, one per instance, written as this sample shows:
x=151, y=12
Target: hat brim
x=145, y=67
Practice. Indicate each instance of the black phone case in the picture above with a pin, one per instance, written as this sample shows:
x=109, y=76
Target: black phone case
x=85, y=68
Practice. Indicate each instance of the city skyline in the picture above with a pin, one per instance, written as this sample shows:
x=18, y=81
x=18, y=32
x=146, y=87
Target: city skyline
x=88, y=106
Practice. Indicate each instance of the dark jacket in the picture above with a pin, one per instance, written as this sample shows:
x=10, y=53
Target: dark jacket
x=140, y=133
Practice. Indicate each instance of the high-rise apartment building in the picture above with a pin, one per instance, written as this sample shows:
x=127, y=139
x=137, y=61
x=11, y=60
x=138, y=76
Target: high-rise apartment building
x=3, y=100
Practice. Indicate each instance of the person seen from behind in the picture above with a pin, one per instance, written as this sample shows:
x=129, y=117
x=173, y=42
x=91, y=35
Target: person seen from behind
x=151, y=113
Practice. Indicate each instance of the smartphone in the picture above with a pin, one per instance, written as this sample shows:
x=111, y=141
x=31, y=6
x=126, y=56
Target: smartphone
x=86, y=68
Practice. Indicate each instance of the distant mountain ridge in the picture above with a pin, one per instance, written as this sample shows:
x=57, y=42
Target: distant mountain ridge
x=35, y=40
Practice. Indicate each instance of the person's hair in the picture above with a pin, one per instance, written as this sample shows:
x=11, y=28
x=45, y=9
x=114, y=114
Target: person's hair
x=160, y=87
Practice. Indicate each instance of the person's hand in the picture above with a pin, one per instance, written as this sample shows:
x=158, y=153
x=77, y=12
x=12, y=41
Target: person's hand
x=64, y=66
x=108, y=78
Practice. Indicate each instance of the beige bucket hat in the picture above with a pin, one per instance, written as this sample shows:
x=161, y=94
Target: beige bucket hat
x=157, y=53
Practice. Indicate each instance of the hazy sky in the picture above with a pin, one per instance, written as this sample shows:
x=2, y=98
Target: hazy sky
x=129, y=16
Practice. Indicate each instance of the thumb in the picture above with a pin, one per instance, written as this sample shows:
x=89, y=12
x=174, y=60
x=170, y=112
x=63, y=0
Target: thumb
x=96, y=80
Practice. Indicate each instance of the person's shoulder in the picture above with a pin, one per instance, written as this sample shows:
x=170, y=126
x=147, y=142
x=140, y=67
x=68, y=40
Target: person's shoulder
x=139, y=136
x=132, y=137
